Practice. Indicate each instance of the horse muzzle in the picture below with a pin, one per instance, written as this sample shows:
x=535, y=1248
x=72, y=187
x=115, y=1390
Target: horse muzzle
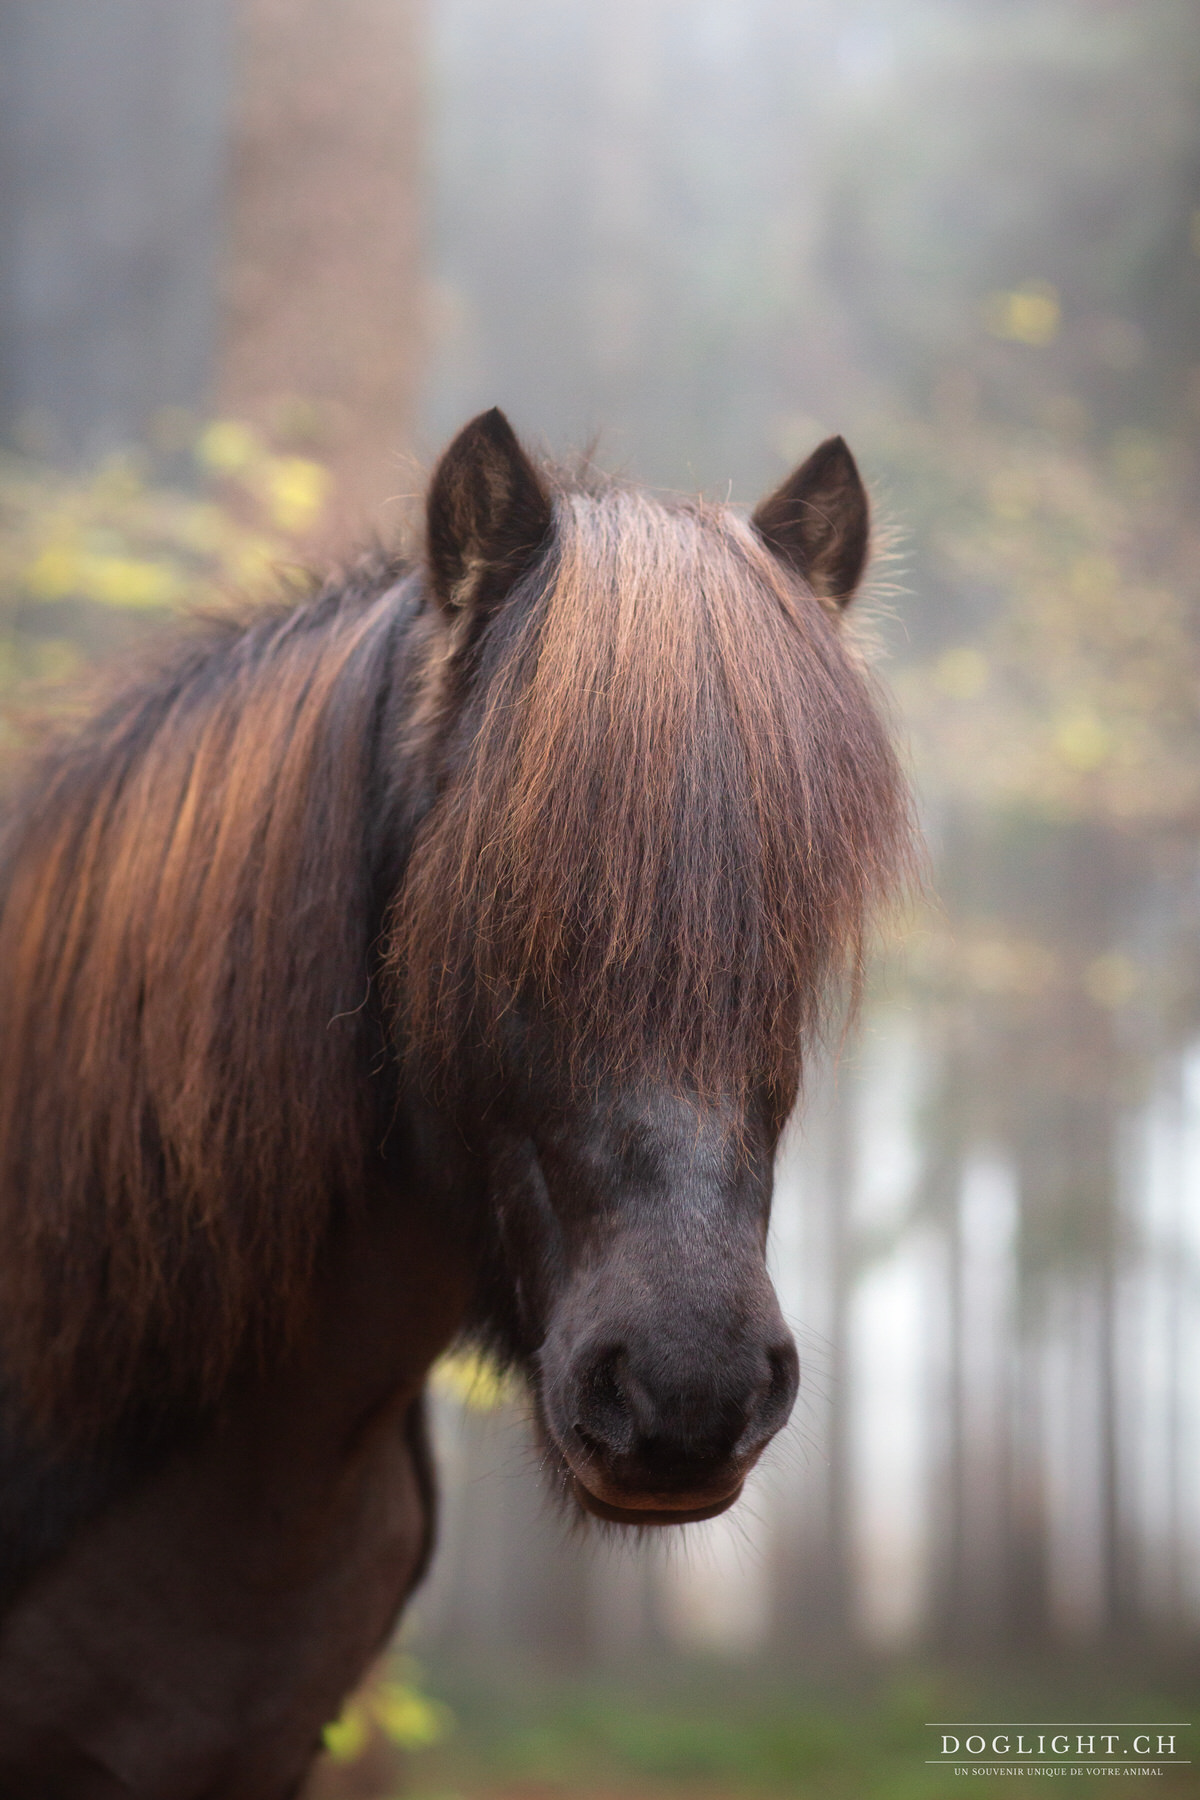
x=677, y=1451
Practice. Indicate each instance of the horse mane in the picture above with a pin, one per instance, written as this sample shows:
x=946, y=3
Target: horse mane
x=184, y=940
x=673, y=810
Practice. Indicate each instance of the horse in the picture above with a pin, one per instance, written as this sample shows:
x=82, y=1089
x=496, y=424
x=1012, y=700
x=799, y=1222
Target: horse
x=431, y=958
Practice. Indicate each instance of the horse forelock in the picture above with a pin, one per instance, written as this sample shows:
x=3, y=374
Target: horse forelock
x=674, y=809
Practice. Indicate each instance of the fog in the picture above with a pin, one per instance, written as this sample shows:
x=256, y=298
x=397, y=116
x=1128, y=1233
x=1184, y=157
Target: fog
x=691, y=240
x=965, y=237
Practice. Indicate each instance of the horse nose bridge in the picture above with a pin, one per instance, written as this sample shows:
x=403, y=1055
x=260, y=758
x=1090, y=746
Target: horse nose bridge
x=686, y=1301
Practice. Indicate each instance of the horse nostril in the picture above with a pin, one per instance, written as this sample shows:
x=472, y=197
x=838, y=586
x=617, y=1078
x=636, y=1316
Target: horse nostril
x=605, y=1424
x=591, y=1444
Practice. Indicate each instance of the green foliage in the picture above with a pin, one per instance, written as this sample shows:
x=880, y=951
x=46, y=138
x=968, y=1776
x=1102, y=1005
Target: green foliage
x=392, y=1708
x=1076, y=694
x=88, y=561
x=473, y=1381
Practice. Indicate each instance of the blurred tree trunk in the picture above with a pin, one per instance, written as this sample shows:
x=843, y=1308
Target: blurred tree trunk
x=113, y=121
x=813, y=1614
x=836, y=1578
x=943, y=1188
x=1039, y=1078
x=323, y=338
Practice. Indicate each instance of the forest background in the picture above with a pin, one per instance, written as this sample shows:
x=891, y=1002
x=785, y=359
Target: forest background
x=259, y=258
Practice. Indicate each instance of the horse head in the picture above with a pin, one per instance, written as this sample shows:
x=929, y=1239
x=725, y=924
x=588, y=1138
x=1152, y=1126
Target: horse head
x=661, y=803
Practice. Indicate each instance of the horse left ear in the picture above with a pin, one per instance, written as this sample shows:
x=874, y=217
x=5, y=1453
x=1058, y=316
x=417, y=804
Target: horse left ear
x=486, y=518
x=818, y=522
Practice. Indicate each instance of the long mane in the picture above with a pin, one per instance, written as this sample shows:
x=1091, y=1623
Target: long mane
x=675, y=806
x=183, y=952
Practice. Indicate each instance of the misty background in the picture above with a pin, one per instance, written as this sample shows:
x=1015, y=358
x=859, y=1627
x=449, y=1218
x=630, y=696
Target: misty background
x=259, y=259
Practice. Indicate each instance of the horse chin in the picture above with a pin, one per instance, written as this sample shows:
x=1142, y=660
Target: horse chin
x=650, y=1511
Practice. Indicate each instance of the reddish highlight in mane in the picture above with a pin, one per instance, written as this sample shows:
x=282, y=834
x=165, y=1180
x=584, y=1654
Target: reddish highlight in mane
x=678, y=808
x=185, y=916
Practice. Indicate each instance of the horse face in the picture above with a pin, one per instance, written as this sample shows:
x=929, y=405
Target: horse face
x=634, y=1230
x=630, y=864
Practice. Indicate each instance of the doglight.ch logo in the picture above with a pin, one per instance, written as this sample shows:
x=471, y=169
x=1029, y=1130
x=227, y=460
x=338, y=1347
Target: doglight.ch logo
x=1058, y=1747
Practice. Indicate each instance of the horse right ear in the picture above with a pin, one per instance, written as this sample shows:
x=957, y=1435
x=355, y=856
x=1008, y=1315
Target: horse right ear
x=487, y=516
x=818, y=522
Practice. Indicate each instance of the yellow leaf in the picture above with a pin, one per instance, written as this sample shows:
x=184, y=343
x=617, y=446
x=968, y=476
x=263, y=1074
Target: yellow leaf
x=226, y=446
x=55, y=573
x=410, y=1719
x=346, y=1738
x=472, y=1380
x=296, y=490
x=1082, y=741
x=1030, y=314
x=128, y=581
